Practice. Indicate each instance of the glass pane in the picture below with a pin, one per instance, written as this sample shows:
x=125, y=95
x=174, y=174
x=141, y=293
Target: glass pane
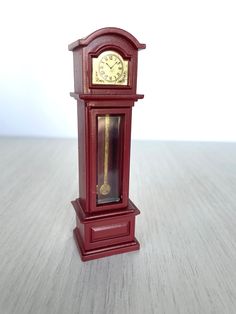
x=109, y=141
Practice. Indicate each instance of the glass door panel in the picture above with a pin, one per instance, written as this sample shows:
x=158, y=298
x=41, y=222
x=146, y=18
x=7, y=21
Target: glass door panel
x=109, y=155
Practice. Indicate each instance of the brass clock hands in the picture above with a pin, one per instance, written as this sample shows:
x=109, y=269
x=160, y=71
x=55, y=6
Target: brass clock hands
x=111, y=67
x=105, y=187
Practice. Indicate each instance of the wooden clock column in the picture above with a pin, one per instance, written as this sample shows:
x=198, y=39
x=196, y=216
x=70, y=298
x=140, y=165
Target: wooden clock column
x=105, y=76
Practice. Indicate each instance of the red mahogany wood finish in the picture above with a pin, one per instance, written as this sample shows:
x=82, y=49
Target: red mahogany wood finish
x=104, y=227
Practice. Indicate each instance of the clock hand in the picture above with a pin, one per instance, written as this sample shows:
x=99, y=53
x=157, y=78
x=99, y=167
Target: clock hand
x=108, y=65
x=114, y=65
x=106, y=188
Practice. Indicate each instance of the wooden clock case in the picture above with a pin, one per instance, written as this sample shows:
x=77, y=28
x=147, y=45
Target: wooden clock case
x=103, y=229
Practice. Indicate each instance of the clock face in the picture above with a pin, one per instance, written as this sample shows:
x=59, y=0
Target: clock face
x=109, y=68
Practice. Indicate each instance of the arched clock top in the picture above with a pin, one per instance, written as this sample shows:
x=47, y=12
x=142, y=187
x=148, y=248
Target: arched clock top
x=107, y=31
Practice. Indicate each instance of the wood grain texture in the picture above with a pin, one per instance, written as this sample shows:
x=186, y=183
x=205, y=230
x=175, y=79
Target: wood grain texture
x=187, y=230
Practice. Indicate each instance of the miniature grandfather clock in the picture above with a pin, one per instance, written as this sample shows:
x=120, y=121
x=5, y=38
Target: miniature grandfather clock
x=105, y=76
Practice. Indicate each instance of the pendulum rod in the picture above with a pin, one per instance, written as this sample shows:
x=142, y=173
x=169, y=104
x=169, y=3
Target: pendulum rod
x=105, y=187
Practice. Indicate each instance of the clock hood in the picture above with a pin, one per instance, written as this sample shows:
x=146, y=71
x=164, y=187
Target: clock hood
x=107, y=31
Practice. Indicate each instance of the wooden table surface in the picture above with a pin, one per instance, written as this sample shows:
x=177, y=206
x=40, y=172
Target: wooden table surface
x=187, y=229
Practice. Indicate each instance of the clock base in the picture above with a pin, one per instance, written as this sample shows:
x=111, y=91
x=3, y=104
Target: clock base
x=103, y=252
x=106, y=233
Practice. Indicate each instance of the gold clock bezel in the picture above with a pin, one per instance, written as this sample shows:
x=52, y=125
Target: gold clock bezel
x=98, y=79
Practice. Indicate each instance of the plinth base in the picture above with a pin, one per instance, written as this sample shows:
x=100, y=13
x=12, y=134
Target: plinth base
x=105, y=233
x=103, y=252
